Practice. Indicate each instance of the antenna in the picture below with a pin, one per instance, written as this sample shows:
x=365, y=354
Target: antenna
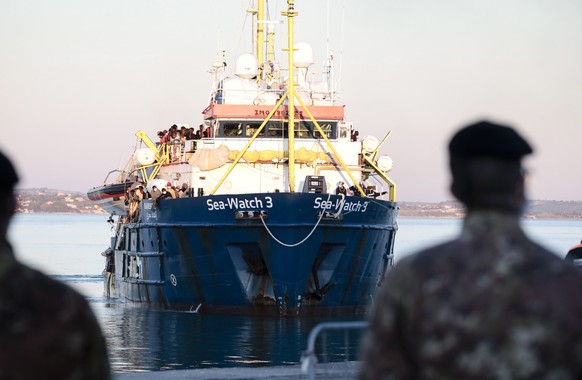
x=328, y=64
x=327, y=30
x=342, y=43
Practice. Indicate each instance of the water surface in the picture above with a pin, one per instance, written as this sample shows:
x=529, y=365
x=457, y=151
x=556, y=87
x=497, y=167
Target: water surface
x=68, y=248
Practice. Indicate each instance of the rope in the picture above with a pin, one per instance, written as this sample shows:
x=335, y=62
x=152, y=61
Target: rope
x=308, y=235
x=341, y=205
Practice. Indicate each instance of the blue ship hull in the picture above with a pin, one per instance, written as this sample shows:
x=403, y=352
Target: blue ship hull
x=282, y=253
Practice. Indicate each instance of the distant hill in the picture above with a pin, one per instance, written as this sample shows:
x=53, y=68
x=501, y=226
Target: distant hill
x=60, y=201
x=55, y=201
x=453, y=209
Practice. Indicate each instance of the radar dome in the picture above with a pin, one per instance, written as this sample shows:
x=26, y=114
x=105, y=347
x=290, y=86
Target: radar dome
x=384, y=163
x=369, y=144
x=145, y=156
x=303, y=55
x=246, y=66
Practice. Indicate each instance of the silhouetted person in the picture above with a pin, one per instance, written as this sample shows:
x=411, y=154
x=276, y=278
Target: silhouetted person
x=490, y=304
x=47, y=330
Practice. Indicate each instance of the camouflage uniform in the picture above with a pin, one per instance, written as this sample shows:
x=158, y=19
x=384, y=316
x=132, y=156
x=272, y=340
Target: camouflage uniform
x=489, y=305
x=47, y=330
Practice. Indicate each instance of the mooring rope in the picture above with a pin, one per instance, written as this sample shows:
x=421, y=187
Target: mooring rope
x=308, y=235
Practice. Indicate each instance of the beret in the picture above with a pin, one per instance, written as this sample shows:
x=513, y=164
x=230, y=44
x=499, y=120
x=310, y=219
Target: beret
x=8, y=176
x=485, y=139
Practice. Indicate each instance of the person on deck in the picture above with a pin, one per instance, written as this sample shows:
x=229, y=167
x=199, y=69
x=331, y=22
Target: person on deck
x=140, y=193
x=170, y=190
x=134, y=201
x=136, y=183
x=162, y=136
x=183, y=191
x=356, y=192
x=47, y=329
x=176, y=145
x=341, y=189
x=190, y=134
x=491, y=304
x=163, y=195
x=182, y=134
x=155, y=194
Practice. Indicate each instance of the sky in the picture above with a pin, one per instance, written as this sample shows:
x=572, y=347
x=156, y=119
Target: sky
x=78, y=78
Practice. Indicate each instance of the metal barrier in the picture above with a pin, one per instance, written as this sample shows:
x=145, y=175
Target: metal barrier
x=309, y=358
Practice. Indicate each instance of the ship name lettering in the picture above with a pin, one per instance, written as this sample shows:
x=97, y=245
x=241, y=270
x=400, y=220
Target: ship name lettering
x=238, y=203
x=358, y=206
x=320, y=203
x=213, y=205
x=235, y=203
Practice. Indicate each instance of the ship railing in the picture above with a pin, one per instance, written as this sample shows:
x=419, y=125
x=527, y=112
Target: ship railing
x=173, y=152
x=309, y=357
x=122, y=176
x=250, y=97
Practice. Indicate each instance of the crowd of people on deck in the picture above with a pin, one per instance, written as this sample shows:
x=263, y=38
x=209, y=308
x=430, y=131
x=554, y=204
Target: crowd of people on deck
x=370, y=191
x=138, y=192
x=174, y=138
x=176, y=135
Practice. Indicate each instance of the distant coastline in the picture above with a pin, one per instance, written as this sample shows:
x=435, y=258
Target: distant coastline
x=52, y=201
x=535, y=209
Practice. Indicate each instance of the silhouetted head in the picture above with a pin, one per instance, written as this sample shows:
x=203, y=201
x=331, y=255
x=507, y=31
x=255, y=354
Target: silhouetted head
x=8, y=179
x=485, y=161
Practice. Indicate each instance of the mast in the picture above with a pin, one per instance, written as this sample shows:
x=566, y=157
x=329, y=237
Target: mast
x=260, y=34
x=270, y=41
x=290, y=14
x=290, y=96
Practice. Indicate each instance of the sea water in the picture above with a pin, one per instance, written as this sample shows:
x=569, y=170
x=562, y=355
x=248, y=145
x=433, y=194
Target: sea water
x=68, y=247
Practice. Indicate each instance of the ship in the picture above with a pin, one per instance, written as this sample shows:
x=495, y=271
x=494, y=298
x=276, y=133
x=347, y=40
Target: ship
x=251, y=214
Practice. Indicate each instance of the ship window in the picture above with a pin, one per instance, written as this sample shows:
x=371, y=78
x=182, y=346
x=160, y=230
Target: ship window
x=232, y=129
x=306, y=129
x=276, y=129
x=302, y=130
x=251, y=129
x=327, y=128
